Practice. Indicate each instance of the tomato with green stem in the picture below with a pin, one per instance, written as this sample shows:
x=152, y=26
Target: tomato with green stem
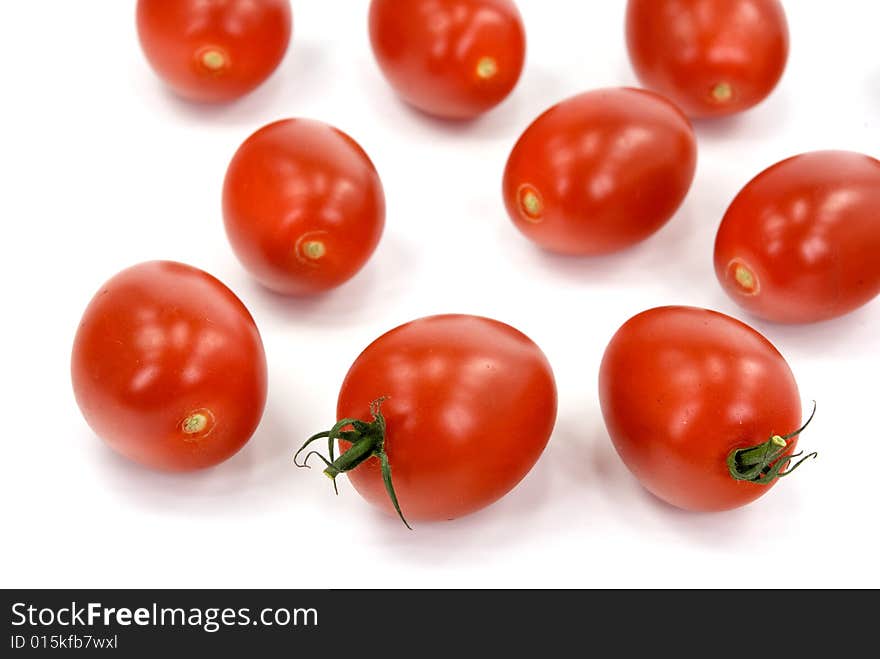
x=441, y=416
x=303, y=206
x=214, y=50
x=710, y=57
x=168, y=367
x=800, y=243
x=450, y=58
x=701, y=408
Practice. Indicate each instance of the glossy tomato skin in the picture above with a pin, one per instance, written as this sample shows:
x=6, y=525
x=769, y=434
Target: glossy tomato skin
x=471, y=403
x=450, y=58
x=710, y=57
x=800, y=242
x=303, y=206
x=680, y=388
x=600, y=171
x=214, y=50
x=168, y=367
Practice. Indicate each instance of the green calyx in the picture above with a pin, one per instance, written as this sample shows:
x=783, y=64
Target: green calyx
x=767, y=461
x=367, y=441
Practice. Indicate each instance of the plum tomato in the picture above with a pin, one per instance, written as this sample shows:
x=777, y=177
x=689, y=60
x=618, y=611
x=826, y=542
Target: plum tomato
x=450, y=58
x=701, y=408
x=600, y=171
x=303, y=206
x=213, y=51
x=168, y=367
x=801, y=242
x=459, y=408
x=710, y=57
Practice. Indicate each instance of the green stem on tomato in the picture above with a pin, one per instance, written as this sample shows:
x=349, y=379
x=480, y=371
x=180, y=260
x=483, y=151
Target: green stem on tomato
x=767, y=461
x=367, y=441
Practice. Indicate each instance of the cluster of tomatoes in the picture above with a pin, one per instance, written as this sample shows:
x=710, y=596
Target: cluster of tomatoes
x=444, y=415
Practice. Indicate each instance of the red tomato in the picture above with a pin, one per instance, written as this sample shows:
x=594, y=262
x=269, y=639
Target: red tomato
x=801, y=242
x=469, y=404
x=450, y=58
x=711, y=57
x=168, y=367
x=303, y=206
x=600, y=171
x=214, y=50
x=702, y=409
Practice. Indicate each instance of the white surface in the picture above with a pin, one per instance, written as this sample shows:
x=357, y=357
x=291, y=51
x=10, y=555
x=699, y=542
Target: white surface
x=101, y=168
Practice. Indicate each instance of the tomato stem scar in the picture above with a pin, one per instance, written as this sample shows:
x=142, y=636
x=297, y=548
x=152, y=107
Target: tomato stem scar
x=367, y=441
x=722, y=92
x=310, y=248
x=487, y=67
x=313, y=249
x=530, y=202
x=744, y=277
x=196, y=422
x=213, y=60
x=765, y=462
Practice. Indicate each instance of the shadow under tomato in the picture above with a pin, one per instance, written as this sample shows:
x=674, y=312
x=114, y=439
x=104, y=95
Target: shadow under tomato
x=873, y=90
x=739, y=529
x=474, y=537
x=761, y=122
x=536, y=91
x=551, y=497
x=385, y=278
x=832, y=338
x=676, y=260
x=754, y=526
x=300, y=74
x=260, y=476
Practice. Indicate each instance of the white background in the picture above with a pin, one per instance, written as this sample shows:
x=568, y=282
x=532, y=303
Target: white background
x=101, y=168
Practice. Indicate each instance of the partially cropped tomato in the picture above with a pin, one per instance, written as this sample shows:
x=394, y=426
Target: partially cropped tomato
x=600, y=171
x=454, y=410
x=711, y=57
x=214, y=50
x=801, y=242
x=303, y=206
x=168, y=367
x=702, y=409
x=450, y=58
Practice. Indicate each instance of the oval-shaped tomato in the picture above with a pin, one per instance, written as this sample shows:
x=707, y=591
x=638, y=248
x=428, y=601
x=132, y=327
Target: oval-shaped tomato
x=600, y=171
x=684, y=391
x=711, y=57
x=168, y=367
x=462, y=408
x=801, y=242
x=214, y=50
x=450, y=58
x=303, y=206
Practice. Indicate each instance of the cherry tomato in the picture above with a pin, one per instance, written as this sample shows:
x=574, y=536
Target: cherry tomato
x=801, y=242
x=459, y=407
x=600, y=171
x=450, y=58
x=702, y=409
x=168, y=367
x=303, y=206
x=214, y=50
x=711, y=57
